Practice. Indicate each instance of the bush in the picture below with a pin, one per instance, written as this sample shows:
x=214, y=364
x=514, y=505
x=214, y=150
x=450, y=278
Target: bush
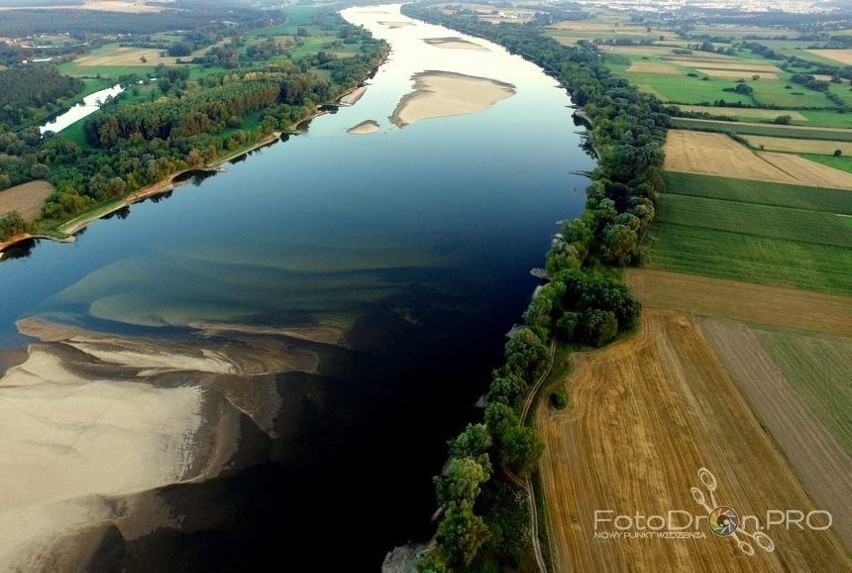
x=558, y=400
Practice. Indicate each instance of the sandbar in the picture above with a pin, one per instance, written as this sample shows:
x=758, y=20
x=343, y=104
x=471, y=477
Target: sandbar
x=364, y=128
x=455, y=43
x=444, y=94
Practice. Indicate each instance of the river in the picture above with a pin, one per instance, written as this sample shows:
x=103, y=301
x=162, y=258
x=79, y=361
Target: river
x=91, y=104
x=237, y=376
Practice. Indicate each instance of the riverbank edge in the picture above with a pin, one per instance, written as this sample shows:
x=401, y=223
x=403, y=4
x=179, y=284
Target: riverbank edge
x=66, y=231
x=432, y=558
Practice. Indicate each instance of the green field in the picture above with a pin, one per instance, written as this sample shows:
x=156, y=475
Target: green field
x=817, y=367
x=768, y=129
x=760, y=192
x=842, y=163
x=758, y=232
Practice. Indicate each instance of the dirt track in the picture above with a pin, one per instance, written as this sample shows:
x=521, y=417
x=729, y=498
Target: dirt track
x=791, y=308
x=644, y=415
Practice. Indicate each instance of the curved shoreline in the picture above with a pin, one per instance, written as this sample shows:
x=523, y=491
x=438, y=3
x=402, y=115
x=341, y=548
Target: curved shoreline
x=70, y=228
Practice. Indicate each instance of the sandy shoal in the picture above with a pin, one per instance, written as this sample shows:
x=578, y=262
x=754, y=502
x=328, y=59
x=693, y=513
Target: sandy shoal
x=444, y=94
x=454, y=43
x=94, y=424
x=364, y=128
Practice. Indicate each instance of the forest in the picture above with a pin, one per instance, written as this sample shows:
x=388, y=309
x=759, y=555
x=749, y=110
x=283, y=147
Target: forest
x=580, y=304
x=190, y=123
x=28, y=93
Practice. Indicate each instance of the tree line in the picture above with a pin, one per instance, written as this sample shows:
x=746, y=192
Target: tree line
x=483, y=526
x=30, y=93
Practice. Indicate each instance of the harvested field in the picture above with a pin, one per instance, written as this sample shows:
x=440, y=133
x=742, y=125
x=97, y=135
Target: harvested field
x=736, y=74
x=823, y=466
x=842, y=56
x=637, y=50
x=718, y=154
x=825, y=147
x=747, y=302
x=27, y=199
x=124, y=56
x=807, y=172
x=701, y=58
x=746, y=128
x=753, y=113
x=643, y=67
x=643, y=416
x=739, y=66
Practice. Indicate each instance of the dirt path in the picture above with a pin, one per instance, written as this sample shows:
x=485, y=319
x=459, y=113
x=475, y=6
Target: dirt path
x=644, y=415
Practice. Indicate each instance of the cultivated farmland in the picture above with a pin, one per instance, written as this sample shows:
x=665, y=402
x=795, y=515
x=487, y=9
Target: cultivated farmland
x=825, y=147
x=842, y=56
x=643, y=416
x=820, y=462
x=744, y=128
x=717, y=154
x=26, y=198
x=796, y=236
x=744, y=112
x=808, y=172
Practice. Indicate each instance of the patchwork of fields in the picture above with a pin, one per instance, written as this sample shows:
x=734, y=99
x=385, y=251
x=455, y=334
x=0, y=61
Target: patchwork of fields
x=643, y=416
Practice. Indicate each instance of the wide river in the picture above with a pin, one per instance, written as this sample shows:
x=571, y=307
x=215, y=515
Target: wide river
x=244, y=375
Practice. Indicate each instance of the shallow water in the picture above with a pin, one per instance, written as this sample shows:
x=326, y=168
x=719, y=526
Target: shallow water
x=417, y=242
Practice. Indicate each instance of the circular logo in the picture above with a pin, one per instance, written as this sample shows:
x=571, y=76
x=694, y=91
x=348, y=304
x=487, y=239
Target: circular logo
x=723, y=521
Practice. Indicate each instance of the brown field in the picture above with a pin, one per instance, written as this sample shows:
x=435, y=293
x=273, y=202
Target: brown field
x=747, y=302
x=27, y=199
x=807, y=172
x=637, y=50
x=818, y=459
x=693, y=62
x=736, y=74
x=842, y=56
x=799, y=145
x=644, y=416
x=642, y=67
x=718, y=154
x=125, y=56
x=701, y=58
x=745, y=112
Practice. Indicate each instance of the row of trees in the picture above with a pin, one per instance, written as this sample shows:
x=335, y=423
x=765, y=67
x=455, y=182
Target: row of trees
x=578, y=304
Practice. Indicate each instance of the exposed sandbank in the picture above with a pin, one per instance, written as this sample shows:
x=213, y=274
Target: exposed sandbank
x=352, y=97
x=444, y=94
x=94, y=423
x=455, y=43
x=364, y=128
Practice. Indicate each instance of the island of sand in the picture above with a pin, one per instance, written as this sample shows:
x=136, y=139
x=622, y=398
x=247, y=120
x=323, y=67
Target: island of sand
x=364, y=128
x=455, y=43
x=444, y=94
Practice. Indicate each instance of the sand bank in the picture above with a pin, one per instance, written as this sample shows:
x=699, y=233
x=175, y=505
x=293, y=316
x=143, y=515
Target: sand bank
x=455, y=43
x=364, y=128
x=94, y=424
x=443, y=94
x=352, y=97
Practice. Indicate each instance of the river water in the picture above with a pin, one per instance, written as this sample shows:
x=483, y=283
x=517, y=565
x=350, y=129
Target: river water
x=416, y=242
x=91, y=104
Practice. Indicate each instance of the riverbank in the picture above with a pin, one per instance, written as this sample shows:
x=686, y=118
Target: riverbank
x=65, y=232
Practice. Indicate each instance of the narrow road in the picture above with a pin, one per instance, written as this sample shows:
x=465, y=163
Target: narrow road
x=527, y=482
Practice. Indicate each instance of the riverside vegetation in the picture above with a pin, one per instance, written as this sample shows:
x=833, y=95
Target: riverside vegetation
x=192, y=115
x=485, y=524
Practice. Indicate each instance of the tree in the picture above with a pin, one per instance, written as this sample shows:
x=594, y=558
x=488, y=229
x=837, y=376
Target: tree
x=783, y=120
x=598, y=327
x=523, y=447
x=838, y=152
x=460, y=482
x=460, y=535
x=472, y=442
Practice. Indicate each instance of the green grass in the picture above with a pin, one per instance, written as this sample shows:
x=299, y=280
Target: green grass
x=114, y=72
x=760, y=192
x=817, y=367
x=842, y=163
x=757, y=232
x=74, y=132
x=796, y=132
x=826, y=118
